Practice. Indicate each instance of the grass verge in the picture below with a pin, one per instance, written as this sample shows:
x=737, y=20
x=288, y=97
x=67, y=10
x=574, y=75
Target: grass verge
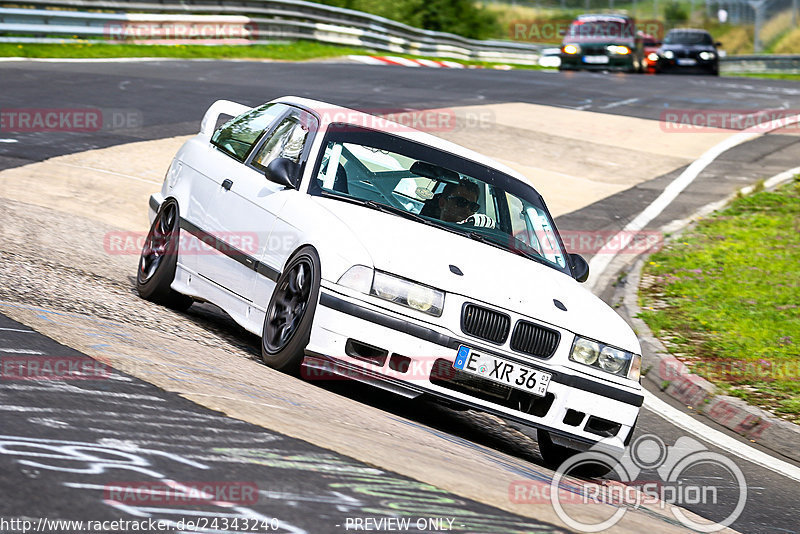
x=770, y=76
x=725, y=299
x=295, y=51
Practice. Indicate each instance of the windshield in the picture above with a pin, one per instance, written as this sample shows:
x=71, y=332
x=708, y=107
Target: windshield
x=601, y=29
x=438, y=188
x=688, y=38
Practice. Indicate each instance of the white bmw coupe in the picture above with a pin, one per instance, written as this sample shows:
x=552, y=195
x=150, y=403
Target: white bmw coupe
x=359, y=247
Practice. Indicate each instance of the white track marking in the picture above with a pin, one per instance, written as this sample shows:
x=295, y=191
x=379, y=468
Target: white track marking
x=9, y=141
x=369, y=60
x=19, y=351
x=718, y=439
x=16, y=330
x=777, y=179
x=620, y=103
x=601, y=260
x=403, y=61
x=429, y=63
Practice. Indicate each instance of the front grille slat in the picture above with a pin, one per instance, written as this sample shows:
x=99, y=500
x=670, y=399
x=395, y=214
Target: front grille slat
x=485, y=323
x=533, y=339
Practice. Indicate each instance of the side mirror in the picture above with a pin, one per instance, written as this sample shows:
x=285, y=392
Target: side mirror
x=580, y=268
x=717, y=44
x=283, y=171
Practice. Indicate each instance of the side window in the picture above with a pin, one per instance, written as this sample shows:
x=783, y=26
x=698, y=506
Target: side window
x=518, y=227
x=286, y=141
x=237, y=136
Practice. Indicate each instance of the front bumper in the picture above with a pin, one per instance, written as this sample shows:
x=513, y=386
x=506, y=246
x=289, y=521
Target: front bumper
x=615, y=62
x=700, y=65
x=361, y=340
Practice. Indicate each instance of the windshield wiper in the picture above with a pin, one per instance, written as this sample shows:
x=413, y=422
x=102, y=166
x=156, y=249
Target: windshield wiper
x=385, y=208
x=395, y=211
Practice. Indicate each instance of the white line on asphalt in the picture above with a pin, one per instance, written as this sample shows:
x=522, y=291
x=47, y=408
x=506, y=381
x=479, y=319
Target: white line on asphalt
x=602, y=259
x=718, y=439
x=20, y=351
x=619, y=103
x=16, y=330
x=9, y=141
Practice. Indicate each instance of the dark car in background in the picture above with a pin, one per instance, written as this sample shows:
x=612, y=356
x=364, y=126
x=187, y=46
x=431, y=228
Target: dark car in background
x=689, y=50
x=602, y=42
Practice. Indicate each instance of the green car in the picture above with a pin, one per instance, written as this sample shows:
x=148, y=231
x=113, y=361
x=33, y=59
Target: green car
x=602, y=42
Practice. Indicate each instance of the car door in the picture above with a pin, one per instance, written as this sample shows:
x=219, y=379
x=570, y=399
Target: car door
x=221, y=163
x=245, y=207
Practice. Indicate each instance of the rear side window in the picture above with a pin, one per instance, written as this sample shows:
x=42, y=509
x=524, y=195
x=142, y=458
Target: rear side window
x=237, y=136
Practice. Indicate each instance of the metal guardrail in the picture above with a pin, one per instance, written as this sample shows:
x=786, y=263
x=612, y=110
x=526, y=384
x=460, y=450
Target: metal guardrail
x=761, y=64
x=261, y=21
x=270, y=21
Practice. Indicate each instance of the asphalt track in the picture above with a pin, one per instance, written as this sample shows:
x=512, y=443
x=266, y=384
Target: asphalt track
x=163, y=94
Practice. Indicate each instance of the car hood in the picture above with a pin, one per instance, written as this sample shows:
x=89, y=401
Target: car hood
x=423, y=253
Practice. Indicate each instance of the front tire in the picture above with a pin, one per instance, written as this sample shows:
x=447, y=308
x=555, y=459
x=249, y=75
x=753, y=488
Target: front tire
x=290, y=313
x=159, y=259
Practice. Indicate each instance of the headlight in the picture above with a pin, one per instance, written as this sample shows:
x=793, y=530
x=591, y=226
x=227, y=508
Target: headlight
x=652, y=56
x=572, y=49
x=585, y=351
x=612, y=360
x=707, y=55
x=394, y=289
x=609, y=359
x=669, y=54
x=618, y=49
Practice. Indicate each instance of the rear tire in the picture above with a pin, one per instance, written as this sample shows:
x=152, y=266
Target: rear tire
x=159, y=258
x=290, y=313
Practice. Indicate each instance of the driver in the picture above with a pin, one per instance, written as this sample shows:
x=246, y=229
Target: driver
x=459, y=202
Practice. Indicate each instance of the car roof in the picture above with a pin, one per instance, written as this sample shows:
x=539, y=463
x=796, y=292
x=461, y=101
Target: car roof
x=687, y=30
x=331, y=113
x=604, y=17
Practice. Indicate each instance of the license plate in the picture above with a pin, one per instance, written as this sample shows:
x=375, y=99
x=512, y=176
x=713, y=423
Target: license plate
x=596, y=60
x=686, y=61
x=502, y=371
